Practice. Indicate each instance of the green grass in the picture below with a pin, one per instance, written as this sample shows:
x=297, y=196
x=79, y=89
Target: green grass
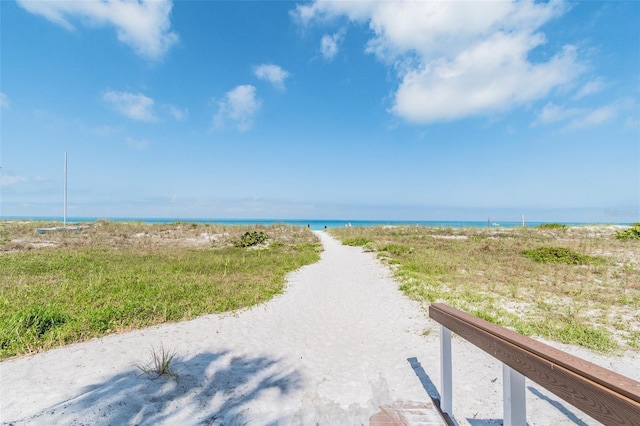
x=631, y=233
x=356, y=241
x=552, y=226
x=251, y=238
x=560, y=255
x=396, y=249
x=159, y=364
x=570, y=285
x=99, y=282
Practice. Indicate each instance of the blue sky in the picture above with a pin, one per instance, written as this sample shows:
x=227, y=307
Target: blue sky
x=321, y=110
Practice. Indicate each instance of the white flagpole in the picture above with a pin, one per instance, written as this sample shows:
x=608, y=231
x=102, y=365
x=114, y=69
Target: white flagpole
x=65, y=190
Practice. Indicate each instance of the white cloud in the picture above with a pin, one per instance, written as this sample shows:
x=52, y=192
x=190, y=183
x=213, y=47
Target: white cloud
x=142, y=24
x=239, y=106
x=594, y=117
x=579, y=118
x=632, y=123
x=458, y=59
x=491, y=76
x=178, y=113
x=10, y=180
x=272, y=73
x=4, y=101
x=105, y=131
x=138, y=144
x=590, y=88
x=329, y=45
x=325, y=10
x=133, y=105
x=552, y=113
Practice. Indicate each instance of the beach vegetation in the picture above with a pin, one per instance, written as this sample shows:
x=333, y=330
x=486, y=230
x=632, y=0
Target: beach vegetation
x=251, y=238
x=396, y=249
x=357, y=241
x=578, y=285
x=369, y=247
x=552, y=226
x=65, y=287
x=560, y=255
x=160, y=363
x=631, y=233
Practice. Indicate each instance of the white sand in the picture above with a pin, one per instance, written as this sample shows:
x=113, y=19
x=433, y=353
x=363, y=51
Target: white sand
x=341, y=342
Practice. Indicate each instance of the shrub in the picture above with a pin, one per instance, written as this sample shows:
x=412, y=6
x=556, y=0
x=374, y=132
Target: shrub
x=552, y=226
x=397, y=249
x=251, y=238
x=356, y=241
x=559, y=255
x=632, y=233
x=369, y=247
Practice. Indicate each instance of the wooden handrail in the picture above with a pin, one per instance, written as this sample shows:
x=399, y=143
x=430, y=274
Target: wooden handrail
x=605, y=395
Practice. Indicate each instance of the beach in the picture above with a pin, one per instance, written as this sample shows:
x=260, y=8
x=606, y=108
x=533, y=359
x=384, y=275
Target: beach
x=340, y=344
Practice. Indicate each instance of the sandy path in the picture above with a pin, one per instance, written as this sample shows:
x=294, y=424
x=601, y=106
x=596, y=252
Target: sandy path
x=332, y=349
x=338, y=344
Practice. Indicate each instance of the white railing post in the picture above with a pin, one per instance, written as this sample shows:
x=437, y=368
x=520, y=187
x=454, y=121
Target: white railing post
x=513, y=397
x=446, y=403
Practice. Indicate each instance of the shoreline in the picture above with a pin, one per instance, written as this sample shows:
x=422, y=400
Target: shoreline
x=314, y=224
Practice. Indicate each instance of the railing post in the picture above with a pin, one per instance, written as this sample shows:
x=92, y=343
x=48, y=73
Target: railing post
x=446, y=403
x=513, y=399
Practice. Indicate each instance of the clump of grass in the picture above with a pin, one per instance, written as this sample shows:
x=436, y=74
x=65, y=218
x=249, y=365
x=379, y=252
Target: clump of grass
x=486, y=316
x=37, y=320
x=570, y=332
x=4, y=237
x=397, y=249
x=560, y=255
x=631, y=233
x=552, y=226
x=356, y=241
x=160, y=363
x=31, y=325
x=369, y=247
x=251, y=238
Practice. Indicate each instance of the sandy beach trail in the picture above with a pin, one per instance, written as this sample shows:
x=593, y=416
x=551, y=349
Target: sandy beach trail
x=339, y=344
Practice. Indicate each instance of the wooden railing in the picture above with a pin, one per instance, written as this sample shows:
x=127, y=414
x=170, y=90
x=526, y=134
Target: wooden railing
x=605, y=395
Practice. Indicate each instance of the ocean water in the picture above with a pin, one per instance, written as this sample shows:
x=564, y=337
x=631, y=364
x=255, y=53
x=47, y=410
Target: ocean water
x=315, y=224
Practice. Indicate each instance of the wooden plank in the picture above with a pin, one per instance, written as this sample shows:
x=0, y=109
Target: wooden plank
x=600, y=401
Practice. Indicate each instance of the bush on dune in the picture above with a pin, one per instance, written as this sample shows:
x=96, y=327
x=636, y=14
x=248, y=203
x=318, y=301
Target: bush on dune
x=632, y=233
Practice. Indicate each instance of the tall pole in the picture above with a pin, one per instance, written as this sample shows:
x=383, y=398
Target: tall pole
x=0, y=193
x=0, y=180
x=65, y=191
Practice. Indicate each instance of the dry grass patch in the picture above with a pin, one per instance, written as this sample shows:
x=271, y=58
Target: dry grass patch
x=579, y=285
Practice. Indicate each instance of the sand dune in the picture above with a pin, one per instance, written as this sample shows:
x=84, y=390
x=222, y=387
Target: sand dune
x=340, y=343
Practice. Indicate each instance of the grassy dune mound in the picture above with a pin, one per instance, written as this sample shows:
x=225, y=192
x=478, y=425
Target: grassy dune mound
x=577, y=285
x=65, y=287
